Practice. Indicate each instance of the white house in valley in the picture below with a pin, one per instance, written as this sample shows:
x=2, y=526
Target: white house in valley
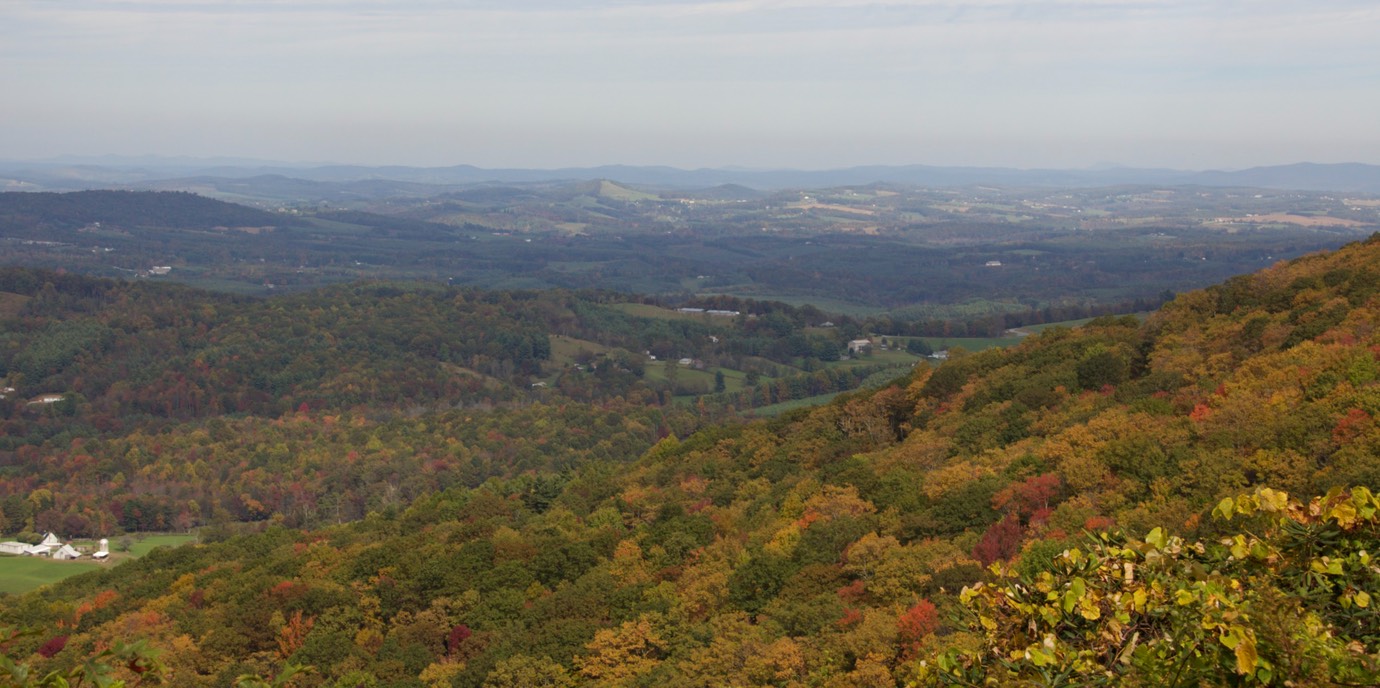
x=50, y=546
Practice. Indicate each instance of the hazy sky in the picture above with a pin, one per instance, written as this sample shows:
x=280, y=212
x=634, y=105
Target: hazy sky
x=761, y=83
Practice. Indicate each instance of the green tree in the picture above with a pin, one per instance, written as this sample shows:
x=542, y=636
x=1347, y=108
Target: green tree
x=522, y=671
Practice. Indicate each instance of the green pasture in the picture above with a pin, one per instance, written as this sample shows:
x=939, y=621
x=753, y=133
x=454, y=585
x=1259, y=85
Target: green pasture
x=1076, y=323
x=564, y=350
x=892, y=356
x=618, y=192
x=22, y=574
x=151, y=542
x=656, y=370
x=646, y=310
x=778, y=409
x=825, y=304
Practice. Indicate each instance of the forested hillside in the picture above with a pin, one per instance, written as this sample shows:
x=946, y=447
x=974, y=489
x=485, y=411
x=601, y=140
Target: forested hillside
x=147, y=406
x=130, y=352
x=829, y=547
x=39, y=214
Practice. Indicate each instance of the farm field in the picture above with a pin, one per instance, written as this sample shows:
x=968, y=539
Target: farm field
x=22, y=574
x=646, y=310
x=565, y=349
x=1073, y=323
x=149, y=543
x=891, y=356
x=778, y=409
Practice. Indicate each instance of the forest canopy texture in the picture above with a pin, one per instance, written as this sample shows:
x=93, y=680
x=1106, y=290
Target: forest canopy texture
x=1181, y=501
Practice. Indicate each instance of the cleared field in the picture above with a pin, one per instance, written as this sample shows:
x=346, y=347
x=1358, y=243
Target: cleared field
x=656, y=370
x=618, y=192
x=564, y=349
x=1290, y=219
x=644, y=310
x=1074, y=323
x=879, y=357
x=152, y=542
x=824, y=304
x=832, y=206
x=22, y=574
x=489, y=382
x=778, y=409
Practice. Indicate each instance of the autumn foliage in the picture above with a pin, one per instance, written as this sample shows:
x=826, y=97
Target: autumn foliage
x=614, y=543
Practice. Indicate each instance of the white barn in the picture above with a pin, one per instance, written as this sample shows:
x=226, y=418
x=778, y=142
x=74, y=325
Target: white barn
x=45, y=548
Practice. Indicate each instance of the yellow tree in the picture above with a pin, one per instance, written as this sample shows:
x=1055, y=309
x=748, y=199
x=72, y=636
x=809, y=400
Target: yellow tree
x=618, y=656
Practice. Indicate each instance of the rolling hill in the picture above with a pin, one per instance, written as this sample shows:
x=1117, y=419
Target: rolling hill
x=828, y=547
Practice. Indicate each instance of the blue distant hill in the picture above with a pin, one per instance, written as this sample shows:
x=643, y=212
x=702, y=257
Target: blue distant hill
x=107, y=172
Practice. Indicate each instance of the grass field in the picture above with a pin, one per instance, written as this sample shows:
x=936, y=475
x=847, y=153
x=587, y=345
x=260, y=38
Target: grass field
x=22, y=574
x=565, y=349
x=778, y=409
x=152, y=542
x=1076, y=323
x=618, y=192
x=656, y=370
x=646, y=310
x=879, y=357
x=825, y=304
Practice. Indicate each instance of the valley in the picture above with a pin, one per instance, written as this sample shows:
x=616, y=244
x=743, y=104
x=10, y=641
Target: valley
x=638, y=344
x=958, y=254
x=511, y=470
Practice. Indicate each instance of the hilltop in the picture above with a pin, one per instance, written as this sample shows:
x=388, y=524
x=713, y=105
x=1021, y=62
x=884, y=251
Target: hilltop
x=126, y=210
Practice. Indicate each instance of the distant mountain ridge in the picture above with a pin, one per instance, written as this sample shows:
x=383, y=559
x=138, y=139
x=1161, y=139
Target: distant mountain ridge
x=20, y=212
x=151, y=173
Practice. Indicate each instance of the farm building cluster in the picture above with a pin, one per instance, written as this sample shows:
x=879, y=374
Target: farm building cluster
x=52, y=546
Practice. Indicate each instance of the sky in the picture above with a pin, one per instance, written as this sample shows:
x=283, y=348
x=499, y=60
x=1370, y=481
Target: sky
x=807, y=84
